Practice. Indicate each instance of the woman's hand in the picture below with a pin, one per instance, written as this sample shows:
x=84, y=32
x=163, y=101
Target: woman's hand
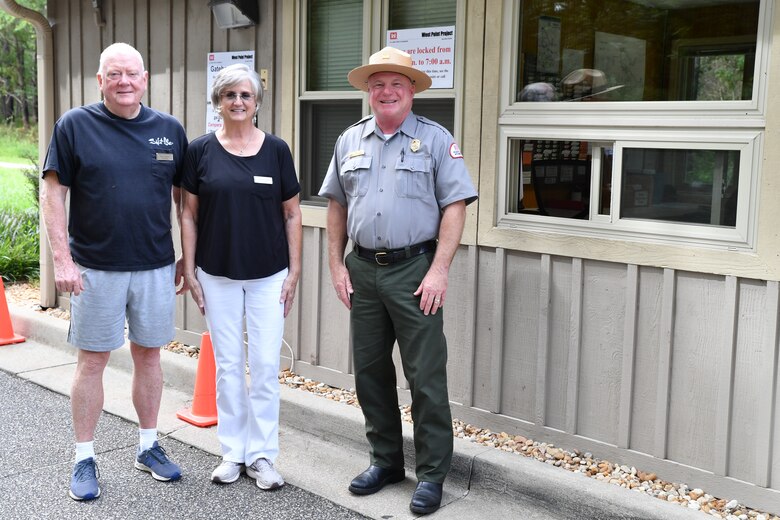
x=191, y=281
x=288, y=293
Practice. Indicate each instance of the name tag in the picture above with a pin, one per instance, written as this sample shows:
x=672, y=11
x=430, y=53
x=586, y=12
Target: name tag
x=164, y=156
x=260, y=179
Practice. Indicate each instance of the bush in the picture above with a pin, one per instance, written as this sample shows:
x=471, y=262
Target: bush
x=19, y=246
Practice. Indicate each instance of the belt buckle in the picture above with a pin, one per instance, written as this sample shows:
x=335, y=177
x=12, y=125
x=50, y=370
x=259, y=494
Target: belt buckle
x=380, y=254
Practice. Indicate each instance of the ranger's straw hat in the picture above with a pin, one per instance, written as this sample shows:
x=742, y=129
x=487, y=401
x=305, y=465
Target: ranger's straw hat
x=586, y=83
x=389, y=59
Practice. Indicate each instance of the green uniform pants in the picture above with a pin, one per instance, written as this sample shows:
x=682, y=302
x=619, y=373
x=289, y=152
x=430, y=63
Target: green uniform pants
x=384, y=309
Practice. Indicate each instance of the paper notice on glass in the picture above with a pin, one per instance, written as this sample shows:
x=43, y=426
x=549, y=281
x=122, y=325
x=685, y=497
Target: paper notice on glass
x=548, y=52
x=216, y=61
x=432, y=50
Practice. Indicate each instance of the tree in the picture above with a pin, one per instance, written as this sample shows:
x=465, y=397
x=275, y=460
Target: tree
x=18, y=75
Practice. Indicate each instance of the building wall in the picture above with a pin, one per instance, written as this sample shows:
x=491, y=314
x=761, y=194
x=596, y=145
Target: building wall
x=648, y=355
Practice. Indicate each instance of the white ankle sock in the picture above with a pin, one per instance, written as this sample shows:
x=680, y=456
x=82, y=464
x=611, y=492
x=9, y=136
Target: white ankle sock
x=146, y=438
x=85, y=450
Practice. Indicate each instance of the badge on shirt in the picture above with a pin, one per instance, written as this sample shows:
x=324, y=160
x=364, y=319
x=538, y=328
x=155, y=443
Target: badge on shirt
x=414, y=145
x=455, y=151
x=261, y=179
x=356, y=153
x=164, y=156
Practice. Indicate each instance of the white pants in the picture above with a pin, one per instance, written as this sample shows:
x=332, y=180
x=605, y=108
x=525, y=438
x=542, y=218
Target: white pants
x=248, y=418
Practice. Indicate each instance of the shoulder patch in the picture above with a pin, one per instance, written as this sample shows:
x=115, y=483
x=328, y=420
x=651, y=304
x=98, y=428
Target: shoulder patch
x=455, y=151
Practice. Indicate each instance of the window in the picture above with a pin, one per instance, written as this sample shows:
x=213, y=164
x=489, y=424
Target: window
x=334, y=31
x=336, y=36
x=633, y=182
x=662, y=144
x=621, y=50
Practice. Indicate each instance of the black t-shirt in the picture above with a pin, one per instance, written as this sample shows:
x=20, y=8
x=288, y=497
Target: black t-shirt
x=119, y=172
x=241, y=232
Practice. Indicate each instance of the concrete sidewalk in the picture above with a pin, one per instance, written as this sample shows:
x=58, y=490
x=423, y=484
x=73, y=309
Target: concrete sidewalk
x=323, y=445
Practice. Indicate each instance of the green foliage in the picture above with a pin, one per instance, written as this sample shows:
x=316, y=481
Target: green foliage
x=18, y=76
x=19, y=245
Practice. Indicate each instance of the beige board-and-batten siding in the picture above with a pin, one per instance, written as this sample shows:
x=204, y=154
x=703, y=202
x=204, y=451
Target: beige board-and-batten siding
x=670, y=371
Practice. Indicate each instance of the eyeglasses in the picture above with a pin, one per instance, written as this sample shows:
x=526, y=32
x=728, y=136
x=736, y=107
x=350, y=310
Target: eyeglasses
x=379, y=86
x=231, y=96
x=115, y=75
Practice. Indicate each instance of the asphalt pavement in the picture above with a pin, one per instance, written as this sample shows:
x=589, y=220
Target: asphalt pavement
x=322, y=448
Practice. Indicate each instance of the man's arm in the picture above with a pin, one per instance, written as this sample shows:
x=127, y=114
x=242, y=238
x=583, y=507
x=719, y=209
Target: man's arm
x=337, y=242
x=67, y=277
x=433, y=288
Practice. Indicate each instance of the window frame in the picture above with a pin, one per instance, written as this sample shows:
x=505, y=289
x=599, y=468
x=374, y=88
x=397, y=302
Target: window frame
x=737, y=124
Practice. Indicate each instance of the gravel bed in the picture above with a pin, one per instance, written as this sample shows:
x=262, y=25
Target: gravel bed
x=26, y=295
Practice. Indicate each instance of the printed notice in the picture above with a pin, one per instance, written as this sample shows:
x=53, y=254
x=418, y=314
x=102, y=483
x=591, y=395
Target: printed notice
x=432, y=50
x=215, y=62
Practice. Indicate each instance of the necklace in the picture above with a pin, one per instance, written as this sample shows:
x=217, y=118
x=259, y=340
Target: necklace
x=244, y=146
x=241, y=151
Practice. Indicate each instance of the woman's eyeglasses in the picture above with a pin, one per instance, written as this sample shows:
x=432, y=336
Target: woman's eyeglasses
x=231, y=96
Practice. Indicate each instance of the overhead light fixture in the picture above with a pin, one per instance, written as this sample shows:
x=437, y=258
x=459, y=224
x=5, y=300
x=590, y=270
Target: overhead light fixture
x=232, y=14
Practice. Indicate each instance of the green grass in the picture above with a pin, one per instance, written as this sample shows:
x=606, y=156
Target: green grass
x=17, y=145
x=16, y=192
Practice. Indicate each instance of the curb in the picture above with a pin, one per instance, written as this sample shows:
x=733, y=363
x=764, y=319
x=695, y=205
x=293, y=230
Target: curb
x=484, y=473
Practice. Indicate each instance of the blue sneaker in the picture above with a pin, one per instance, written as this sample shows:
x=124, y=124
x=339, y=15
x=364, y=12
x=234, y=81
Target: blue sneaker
x=156, y=461
x=83, y=483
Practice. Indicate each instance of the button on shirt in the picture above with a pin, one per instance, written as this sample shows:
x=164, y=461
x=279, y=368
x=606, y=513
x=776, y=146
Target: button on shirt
x=395, y=187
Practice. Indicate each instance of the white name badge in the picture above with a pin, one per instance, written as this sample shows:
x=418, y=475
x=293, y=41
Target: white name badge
x=260, y=179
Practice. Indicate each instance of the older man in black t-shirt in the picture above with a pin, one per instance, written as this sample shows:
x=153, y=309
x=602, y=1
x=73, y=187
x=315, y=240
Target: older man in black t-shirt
x=121, y=162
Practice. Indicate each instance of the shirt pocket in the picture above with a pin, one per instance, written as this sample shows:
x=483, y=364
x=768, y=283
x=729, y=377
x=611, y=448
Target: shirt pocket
x=163, y=164
x=263, y=187
x=413, y=179
x=354, y=175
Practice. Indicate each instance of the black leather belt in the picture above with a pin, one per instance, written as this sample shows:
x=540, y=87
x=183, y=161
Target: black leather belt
x=391, y=256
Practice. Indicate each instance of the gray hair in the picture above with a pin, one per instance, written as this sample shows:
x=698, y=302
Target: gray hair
x=115, y=49
x=233, y=75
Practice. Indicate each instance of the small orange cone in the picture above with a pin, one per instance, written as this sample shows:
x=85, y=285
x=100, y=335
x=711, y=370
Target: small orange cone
x=204, y=399
x=7, y=335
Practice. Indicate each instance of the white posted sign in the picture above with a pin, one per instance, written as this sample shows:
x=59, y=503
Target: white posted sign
x=215, y=62
x=432, y=50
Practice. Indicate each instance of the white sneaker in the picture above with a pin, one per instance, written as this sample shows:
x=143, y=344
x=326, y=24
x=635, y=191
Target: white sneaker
x=227, y=472
x=267, y=477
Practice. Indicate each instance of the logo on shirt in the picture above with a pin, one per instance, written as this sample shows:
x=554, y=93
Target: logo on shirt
x=160, y=141
x=455, y=151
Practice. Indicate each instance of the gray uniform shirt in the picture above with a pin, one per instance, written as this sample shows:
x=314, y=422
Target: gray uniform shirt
x=394, y=189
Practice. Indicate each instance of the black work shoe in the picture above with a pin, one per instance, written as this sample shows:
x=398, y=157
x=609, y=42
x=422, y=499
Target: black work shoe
x=426, y=498
x=375, y=478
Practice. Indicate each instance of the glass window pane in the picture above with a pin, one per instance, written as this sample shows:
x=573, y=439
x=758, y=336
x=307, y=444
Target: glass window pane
x=554, y=178
x=690, y=186
x=627, y=50
x=408, y=14
x=440, y=110
x=335, y=43
x=322, y=122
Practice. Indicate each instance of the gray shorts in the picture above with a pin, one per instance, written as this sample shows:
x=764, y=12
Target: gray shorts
x=145, y=299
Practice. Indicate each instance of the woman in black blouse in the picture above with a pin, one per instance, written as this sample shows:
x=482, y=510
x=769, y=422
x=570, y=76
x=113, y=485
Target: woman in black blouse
x=241, y=237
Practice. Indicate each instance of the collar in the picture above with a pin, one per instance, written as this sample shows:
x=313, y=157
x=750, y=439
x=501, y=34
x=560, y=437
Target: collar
x=408, y=126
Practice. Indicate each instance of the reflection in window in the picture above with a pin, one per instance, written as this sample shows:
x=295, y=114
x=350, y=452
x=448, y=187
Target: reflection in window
x=690, y=186
x=322, y=122
x=622, y=50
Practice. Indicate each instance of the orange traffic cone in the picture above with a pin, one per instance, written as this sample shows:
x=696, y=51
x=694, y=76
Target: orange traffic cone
x=7, y=335
x=204, y=399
